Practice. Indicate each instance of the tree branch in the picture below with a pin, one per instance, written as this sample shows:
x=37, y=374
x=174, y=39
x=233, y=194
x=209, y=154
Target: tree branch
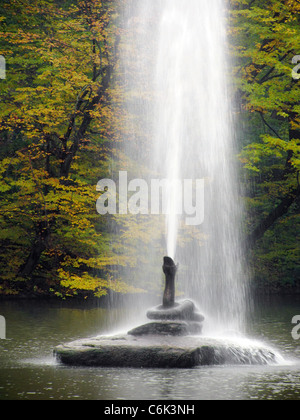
x=87, y=118
x=268, y=125
x=278, y=212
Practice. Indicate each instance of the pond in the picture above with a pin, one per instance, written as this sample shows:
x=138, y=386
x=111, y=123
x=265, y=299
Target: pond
x=28, y=370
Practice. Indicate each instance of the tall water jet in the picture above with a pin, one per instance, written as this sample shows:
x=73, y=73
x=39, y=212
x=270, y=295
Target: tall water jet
x=182, y=49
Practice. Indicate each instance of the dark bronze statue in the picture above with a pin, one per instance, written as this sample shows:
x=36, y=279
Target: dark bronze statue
x=169, y=269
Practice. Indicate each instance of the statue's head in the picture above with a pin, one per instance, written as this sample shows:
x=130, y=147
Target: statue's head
x=169, y=266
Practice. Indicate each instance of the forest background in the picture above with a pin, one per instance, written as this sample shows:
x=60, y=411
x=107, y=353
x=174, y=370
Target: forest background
x=62, y=124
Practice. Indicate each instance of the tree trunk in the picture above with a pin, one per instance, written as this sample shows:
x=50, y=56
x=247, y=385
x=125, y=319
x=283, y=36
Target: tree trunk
x=286, y=201
x=38, y=247
x=278, y=212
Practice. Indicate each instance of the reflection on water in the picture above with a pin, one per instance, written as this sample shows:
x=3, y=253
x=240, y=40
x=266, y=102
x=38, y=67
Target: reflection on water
x=29, y=371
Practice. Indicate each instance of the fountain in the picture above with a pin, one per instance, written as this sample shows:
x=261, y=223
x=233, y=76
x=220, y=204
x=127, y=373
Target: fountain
x=171, y=340
x=191, y=138
x=171, y=318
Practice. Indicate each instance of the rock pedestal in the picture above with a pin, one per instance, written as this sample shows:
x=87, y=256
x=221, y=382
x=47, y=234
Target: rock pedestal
x=181, y=319
x=170, y=340
x=159, y=352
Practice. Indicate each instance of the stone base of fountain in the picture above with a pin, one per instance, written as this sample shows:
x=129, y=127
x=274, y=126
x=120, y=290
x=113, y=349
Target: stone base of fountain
x=185, y=310
x=173, y=328
x=160, y=352
x=147, y=345
x=181, y=319
x=170, y=340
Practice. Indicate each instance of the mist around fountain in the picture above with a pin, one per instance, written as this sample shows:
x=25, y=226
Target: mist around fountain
x=182, y=97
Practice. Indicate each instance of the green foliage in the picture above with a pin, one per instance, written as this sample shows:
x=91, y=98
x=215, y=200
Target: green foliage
x=276, y=261
x=264, y=39
x=56, y=129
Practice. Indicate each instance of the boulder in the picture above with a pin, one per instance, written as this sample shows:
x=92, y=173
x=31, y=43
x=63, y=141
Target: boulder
x=159, y=352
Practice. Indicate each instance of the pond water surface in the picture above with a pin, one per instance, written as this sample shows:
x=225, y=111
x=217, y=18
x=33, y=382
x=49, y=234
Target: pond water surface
x=29, y=371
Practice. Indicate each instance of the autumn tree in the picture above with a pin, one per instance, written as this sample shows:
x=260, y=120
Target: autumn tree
x=56, y=130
